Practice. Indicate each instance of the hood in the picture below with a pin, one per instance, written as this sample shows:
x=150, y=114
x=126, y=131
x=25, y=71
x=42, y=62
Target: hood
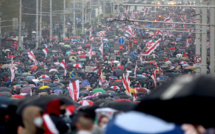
x=28, y=117
x=53, y=107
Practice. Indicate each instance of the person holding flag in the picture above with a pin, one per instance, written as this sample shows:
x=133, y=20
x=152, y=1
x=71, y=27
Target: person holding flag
x=101, y=50
x=74, y=90
x=32, y=57
x=45, y=51
x=63, y=65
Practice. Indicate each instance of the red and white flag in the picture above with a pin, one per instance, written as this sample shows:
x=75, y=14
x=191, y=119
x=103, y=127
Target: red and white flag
x=152, y=48
x=74, y=90
x=135, y=69
x=158, y=32
x=32, y=56
x=115, y=87
x=12, y=70
x=63, y=65
x=44, y=76
x=187, y=43
x=141, y=59
x=169, y=20
x=101, y=49
x=91, y=34
x=135, y=95
x=45, y=51
x=49, y=125
x=56, y=80
x=185, y=55
x=149, y=44
x=154, y=76
x=90, y=53
x=125, y=81
x=144, y=12
x=101, y=80
x=130, y=31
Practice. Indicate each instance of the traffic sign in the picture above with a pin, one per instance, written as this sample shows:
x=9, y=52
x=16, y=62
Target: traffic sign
x=121, y=41
x=106, y=45
x=134, y=54
x=72, y=74
x=197, y=58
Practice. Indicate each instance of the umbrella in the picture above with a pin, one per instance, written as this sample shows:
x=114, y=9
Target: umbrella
x=44, y=87
x=66, y=39
x=53, y=38
x=187, y=97
x=142, y=90
x=5, y=89
x=18, y=96
x=86, y=103
x=72, y=53
x=42, y=102
x=26, y=90
x=10, y=56
x=183, y=62
x=87, y=45
x=121, y=105
x=113, y=77
x=77, y=65
x=82, y=56
x=132, y=123
x=115, y=87
x=98, y=90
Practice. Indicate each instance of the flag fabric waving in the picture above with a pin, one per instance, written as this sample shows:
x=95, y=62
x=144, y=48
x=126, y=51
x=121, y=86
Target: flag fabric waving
x=154, y=76
x=125, y=81
x=12, y=69
x=187, y=43
x=63, y=65
x=45, y=51
x=74, y=90
x=141, y=59
x=101, y=50
x=130, y=31
x=135, y=69
x=91, y=34
x=152, y=48
x=101, y=80
x=32, y=56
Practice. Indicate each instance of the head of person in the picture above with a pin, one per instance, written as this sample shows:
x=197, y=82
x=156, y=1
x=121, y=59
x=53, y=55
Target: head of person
x=103, y=120
x=32, y=119
x=84, y=123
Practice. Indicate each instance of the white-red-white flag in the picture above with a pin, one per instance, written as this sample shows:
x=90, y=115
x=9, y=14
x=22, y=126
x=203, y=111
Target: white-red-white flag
x=125, y=82
x=45, y=51
x=141, y=59
x=63, y=65
x=101, y=50
x=12, y=70
x=49, y=125
x=91, y=34
x=135, y=95
x=32, y=57
x=158, y=32
x=187, y=43
x=135, y=69
x=101, y=80
x=130, y=31
x=152, y=48
x=154, y=76
x=74, y=90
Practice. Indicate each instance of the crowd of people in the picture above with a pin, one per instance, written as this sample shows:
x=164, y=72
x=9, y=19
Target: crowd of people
x=101, y=82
